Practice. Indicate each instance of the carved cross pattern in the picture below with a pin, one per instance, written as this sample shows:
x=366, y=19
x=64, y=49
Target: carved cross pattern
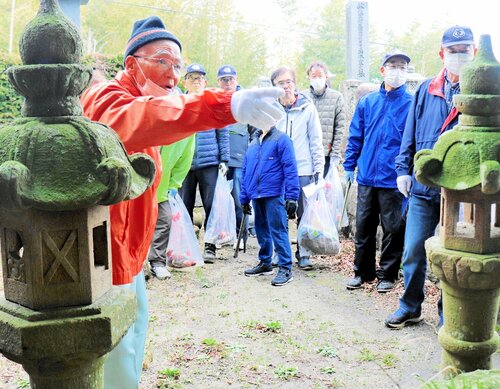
x=60, y=256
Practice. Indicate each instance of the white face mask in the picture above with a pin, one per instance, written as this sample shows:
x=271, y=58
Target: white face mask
x=454, y=62
x=318, y=84
x=395, y=77
x=150, y=88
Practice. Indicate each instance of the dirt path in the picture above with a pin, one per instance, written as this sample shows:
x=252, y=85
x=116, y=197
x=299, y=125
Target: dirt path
x=212, y=327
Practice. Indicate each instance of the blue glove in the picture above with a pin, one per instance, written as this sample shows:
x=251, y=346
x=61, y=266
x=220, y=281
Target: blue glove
x=172, y=193
x=349, y=176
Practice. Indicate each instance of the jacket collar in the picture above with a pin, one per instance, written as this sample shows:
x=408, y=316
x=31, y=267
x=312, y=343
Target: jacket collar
x=314, y=93
x=128, y=83
x=299, y=104
x=393, y=93
x=436, y=86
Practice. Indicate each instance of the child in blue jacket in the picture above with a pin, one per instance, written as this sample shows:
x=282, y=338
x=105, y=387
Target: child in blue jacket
x=270, y=171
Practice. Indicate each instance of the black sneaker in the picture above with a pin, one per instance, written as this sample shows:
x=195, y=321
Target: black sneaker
x=209, y=253
x=283, y=277
x=261, y=269
x=399, y=319
x=354, y=283
x=385, y=286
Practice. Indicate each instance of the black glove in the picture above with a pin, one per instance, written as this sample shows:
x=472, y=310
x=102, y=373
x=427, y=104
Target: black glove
x=316, y=178
x=291, y=208
x=246, y=208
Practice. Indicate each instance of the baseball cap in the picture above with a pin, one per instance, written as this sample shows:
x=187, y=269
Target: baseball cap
x=457, y=35
x=395, y=54
x=226, y=71
x=195, y=68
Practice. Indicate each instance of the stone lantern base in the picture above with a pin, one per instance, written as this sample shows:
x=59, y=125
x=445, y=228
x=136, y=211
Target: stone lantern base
x=65, y=348
x=471, y=298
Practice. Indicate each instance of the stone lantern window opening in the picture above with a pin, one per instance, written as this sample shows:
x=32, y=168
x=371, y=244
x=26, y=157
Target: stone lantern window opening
x=469, y=221
x=100, y=246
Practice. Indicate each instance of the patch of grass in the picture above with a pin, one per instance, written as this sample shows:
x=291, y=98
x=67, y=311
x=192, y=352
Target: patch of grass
x=286, y=372
x=273, y=326
x=238, y=348
x=224, y=313
x=389, y=360
x=247, y=335
x=293, y=342
x=209, y=342
x=327, y=370
x=326, y=325
x=200, y=276
x=366, y=355
x=327, y=351
x=251, y=324
x=22, y=384
x=153, y=318
x=336, y=383
x=171, y=373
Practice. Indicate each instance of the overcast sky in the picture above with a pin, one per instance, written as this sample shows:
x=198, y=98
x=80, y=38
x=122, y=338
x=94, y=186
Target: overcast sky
x=481, y=15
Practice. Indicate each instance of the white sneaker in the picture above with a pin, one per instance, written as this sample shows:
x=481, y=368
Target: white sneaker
x=242, y=245
x=161, y=272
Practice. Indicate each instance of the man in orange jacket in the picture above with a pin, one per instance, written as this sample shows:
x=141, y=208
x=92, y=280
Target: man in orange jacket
x=142, y=106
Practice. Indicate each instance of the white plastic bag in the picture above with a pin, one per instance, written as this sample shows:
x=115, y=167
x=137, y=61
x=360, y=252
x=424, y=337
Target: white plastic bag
x=221, y=224
x=334, y=195
x=317, y=233
x=183, y=249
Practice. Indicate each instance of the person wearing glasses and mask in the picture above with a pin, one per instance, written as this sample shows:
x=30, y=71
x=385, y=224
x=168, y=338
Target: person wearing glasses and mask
x=331, y=111
x=374, y=139
x=432, y=113
x=211, y=155
x=142, y=106
x=301, y=123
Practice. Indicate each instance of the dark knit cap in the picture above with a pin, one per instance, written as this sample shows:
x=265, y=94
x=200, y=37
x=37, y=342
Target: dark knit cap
x=146, y=31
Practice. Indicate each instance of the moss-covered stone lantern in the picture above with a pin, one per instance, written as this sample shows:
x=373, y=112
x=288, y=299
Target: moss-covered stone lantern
x=466, y=257
x=58, y=171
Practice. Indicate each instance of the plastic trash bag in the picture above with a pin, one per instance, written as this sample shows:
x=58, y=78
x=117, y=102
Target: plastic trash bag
x=334, y=195
x=221, y=224
x=317, y=233
x=183, y=249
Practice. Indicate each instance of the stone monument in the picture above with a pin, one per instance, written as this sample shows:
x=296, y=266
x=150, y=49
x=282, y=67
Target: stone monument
x=358, y=60
x=58, y=171
x=466, y=256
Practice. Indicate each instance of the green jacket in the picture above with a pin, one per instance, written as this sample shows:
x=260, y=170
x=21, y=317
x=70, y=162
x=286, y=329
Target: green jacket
x=176, y=160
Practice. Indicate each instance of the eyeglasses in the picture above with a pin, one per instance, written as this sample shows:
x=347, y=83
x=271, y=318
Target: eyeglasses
x=227, y=80
x=177, y=67
x=399, y=67
x=459, y=50
x=192, y=77
x=285, y=82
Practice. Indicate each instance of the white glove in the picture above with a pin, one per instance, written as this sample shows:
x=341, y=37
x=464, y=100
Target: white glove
x=223, y=168
x=334, y=160
x=404, y=184
x=257, y=107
